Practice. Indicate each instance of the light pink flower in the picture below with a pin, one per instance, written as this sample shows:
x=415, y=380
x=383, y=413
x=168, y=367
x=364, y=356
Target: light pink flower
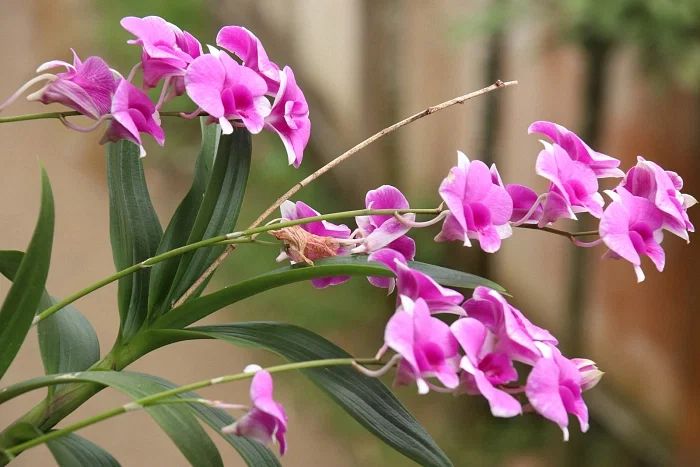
x=133, y=113
x=479, y=208
x=385, y=231
x=602, y=165
x=631, y=226
x=289, y=117
x=590, y=374
x=426, y=346
x=515, y=335
x=243, y=43
x=85, y=86
x=301, y=210
x=167, y=51
x=554, y=390
x=227, y=90
x=266, y=422
x=573, y=188
x=662, y=188
x=416, y=285
x=484, y=369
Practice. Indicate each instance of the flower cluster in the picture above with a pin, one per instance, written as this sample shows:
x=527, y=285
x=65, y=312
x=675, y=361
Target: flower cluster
x=646, y=202
x=255, y=93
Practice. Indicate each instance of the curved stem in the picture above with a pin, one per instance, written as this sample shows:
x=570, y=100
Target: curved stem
x=230, y=239
x=73, y=113
x=163, y=397
x=346, y=155
x=25, y=86
x=540, y=200
x=82, y=129
x=563, y=233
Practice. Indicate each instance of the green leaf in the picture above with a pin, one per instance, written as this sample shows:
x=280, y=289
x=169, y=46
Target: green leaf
x=66, y=339
x=199, y=308
x=366, y=399
x=22, y=300
x=177, y=421
x=75, y=451
x=180, y=226
x=219, y=210
x=70, y=450
x=253, y=453
x=134, y=230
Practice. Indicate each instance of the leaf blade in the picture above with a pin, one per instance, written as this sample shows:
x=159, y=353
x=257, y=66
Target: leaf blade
x=201, y=307
x=135, y=231
x=180, y=227
x=22, y=300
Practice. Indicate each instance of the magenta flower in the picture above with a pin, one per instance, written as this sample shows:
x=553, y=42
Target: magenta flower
x=523, y=198
x=602, y=165
x=573, y=188
x=133, y=113
x=426, y=346
x=289, y=117
x=385, y=231
x=662, y=188
x=300, y=210
x=479, y=208
x=416, y=285
x=85, y=86
x=516, y=336
x=227, y=90
x=167, y=51
x=631, y=226
x=554, y=390
x=243, y=43
x=590, y=374
x=485, y=369
x=266, y=422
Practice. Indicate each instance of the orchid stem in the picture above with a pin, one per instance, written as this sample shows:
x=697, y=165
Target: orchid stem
x=562, y=233
x=164, y=397
x=231, y=239
x=73, y=113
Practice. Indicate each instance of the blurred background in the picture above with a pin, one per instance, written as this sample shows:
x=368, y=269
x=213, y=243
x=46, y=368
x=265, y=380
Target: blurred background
x=623, y=74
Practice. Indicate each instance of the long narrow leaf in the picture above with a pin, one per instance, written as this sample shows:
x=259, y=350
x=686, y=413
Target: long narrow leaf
x=67, y=340
x=366, y=399
x=22, y=300
x=180, y=226
x=177, y=421
x=194, y=310
x=219, y=209
x=134, y=230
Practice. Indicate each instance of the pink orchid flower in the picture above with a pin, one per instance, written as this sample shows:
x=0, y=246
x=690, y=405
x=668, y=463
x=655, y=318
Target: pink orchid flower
x=553, y=389
x=301, y=210
x=485, y=369
x=243, y=43
x=662, y=188
x=573, y=187
x=516, y=336
x=289, y=117
x=425, y=344
x=133, y=113
x=631, y=226
x=86, y=86
x=385, y=231
x=479, y=208
x=167, y=51
x=227, y=90
x=602, y=166
x=415, y=284
x=523, y=198
x=266, y=422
